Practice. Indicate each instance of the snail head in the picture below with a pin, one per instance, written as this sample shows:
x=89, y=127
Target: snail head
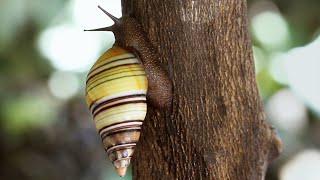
x=127, y=30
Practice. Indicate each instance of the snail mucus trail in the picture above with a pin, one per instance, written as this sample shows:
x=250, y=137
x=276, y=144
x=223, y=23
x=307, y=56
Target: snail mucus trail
x=118, y=86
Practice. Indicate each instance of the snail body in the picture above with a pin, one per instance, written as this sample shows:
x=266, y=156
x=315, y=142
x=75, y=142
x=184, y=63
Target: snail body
x=119, y=85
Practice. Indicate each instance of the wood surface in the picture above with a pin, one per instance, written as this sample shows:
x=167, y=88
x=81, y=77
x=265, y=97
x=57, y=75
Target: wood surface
x=216, y=127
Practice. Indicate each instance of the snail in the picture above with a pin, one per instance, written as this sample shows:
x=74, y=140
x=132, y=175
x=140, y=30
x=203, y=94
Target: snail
x=119, y=85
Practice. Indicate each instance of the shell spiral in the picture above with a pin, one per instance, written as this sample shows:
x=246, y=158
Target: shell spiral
x=116, y=88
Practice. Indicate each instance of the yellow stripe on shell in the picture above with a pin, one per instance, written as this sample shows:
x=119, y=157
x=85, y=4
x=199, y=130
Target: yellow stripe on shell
x=117, y=86
x=107, y=78
x=103, y=68
x=110, y=59
x=142, y=98
x=112, y=52
x=115, y=71
x=121, y=114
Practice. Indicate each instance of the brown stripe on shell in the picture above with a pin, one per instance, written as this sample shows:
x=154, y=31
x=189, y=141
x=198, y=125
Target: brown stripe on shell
x=92, y=76
x=120, y=135
x=120, y=130
x=120, y=148
x=115, y=60
x=115, y=99
x=117, y=78
x=130, y=126
x=129, y=157
x=112, y=148
x=118, y=104
x=123, y=153
x=115, y=73
x=138, y=120
x=126, y=126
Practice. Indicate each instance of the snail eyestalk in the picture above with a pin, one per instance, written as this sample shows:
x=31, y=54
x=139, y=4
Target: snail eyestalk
x=109, y=28
x=114, y=19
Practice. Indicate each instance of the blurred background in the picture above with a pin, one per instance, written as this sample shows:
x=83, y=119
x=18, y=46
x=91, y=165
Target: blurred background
x=46, y=131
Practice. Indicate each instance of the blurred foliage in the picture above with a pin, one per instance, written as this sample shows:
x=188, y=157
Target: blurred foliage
x=46, y=137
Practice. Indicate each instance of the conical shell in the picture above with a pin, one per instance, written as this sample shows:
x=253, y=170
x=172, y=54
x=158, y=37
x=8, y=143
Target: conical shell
x=116, y=90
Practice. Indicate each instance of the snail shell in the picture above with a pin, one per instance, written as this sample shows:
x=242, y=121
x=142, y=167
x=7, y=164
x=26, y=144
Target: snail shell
x=116, y=89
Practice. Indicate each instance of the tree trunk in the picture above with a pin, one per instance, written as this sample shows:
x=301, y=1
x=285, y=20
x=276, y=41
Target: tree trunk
x=216, y=128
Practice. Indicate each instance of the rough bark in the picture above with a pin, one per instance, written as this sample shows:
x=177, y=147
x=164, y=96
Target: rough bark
x=216, y=128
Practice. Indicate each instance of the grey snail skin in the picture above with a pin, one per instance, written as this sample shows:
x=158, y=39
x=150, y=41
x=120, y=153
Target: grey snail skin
x=119, y=85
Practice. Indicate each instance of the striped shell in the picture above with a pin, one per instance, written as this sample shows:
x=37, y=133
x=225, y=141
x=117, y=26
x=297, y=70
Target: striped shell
x=116, y=90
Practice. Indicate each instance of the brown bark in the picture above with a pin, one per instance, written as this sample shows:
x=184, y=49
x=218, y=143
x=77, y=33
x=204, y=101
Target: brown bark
x=216, y=128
